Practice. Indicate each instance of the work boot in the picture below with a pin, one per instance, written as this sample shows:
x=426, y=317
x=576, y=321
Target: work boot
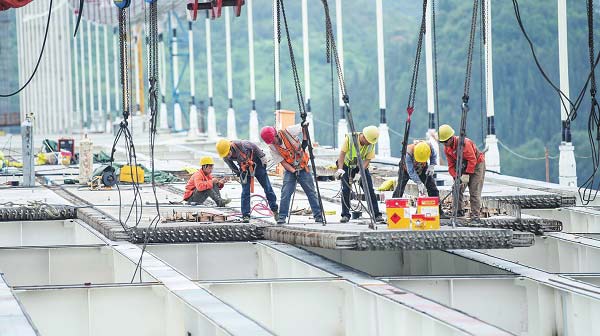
x=380, y=219
x=275, y=214
x=344, y=219
x=224, y=202
x=246, y=219
x=443, y=215
x=319, y=219
x=281, y=220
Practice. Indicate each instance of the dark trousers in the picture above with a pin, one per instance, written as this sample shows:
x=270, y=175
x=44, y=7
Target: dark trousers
x=429, y=181
x=200, y=197
x=260, y=174
x=349, y=174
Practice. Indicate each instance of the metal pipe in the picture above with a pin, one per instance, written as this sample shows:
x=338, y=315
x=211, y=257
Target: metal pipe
x=99, y=124
x=91, y=72
x=108, y=114
x=276, y=56
x=231, y=127
x=342, y=124
x=193, y=130
x=253, y=126
x=211, y=120
x=306, y=51
x=84, y=116
x=383, y=145
x=175, y=74
x=77, y=109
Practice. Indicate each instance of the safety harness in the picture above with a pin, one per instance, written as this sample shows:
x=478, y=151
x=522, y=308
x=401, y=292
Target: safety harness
x=247, y=166
x=293, y=152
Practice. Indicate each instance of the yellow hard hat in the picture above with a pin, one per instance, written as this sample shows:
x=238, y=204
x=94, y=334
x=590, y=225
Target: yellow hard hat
x=422, y=152
x=371, y=133
x=446, y=132
x=206, y=160
x=223, y=147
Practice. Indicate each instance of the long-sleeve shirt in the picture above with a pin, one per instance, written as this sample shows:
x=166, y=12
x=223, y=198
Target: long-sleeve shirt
x=199, y=181
x=471, y=155
x=415, y=168
x=250, y=151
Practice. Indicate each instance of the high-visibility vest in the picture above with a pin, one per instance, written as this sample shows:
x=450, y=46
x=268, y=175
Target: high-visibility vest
x=350, y=158
x=293, y=152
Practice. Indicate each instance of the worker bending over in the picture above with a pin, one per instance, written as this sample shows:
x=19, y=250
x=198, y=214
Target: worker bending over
x=203, y=185
x=251, y=163
x=419, y=167
x=347, y=168
x=473, y=172
x=288, y=148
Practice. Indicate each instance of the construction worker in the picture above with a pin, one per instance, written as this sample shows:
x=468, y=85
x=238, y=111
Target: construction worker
x=347, y=168
x=473, y=172
x=203, y=185
x=420, y=168
x=251, y=163
x=288, y=148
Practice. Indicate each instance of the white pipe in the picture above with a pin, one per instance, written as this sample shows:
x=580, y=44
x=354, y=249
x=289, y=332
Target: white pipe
x=231, y=127
x=432, y=131
x=193, y=131
x=492, y=155
x=77, y=109
x=567, y=169
x=21, y=52
x=53, y=80
x=253, y=126
x=84, y=118
x=383, y=145
x=276, y=58
x=91, y=76
x=136, y=76
x=177, y=107
x=69, y=122
x=306, y=51
x=342, y=125
x=99, y=123
x=108, y=114
x=211, y=119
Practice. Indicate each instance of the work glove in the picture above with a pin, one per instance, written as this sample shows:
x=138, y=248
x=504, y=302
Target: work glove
x=338, y=174
x=430, y=170
x=422, y=189
x=464, y=179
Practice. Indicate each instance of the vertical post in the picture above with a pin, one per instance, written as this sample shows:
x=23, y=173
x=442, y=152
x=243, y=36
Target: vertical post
x=306, y=50
x=430, y=82
x=84, y=111
x=210, y=118
x=100, y=122
x=567, y=169
x=28, y=162
x=547, y=157
x=492, y=155
x=383, y=145
x=21, y=52
x=253, y=126
x=69, y=120
x=77, y=114
x=177, y=113
x=116, y=62
x=276, y=55
x=193, y=131
x=51, y=77
x=163, y=116
x=342, y=124
x=231, y=127
x=91, y=75
x=137, y=45
x=108, y=114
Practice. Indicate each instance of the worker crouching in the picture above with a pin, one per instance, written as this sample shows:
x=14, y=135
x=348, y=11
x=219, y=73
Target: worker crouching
x=347, y=168
x=202, y=185
x=473, y=172
x=288, y=147
x=248, y=161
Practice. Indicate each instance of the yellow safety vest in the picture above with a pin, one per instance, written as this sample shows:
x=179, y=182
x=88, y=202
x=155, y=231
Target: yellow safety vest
x=350, y=158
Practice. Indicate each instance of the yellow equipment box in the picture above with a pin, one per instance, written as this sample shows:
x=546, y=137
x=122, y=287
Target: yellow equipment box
x=398, y=213
x=429, y=207
x=131, y=174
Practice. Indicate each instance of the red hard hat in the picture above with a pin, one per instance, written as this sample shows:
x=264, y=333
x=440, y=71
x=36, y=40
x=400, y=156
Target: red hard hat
x=268, y=133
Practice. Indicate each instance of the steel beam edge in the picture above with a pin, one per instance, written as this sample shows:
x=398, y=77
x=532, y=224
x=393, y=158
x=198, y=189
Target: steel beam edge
x=446, y=315
x=13, y=319
x=221, y=314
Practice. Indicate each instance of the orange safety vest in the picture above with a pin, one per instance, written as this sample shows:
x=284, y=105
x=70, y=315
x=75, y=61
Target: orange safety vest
x=293, y=152
x=246, y=164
